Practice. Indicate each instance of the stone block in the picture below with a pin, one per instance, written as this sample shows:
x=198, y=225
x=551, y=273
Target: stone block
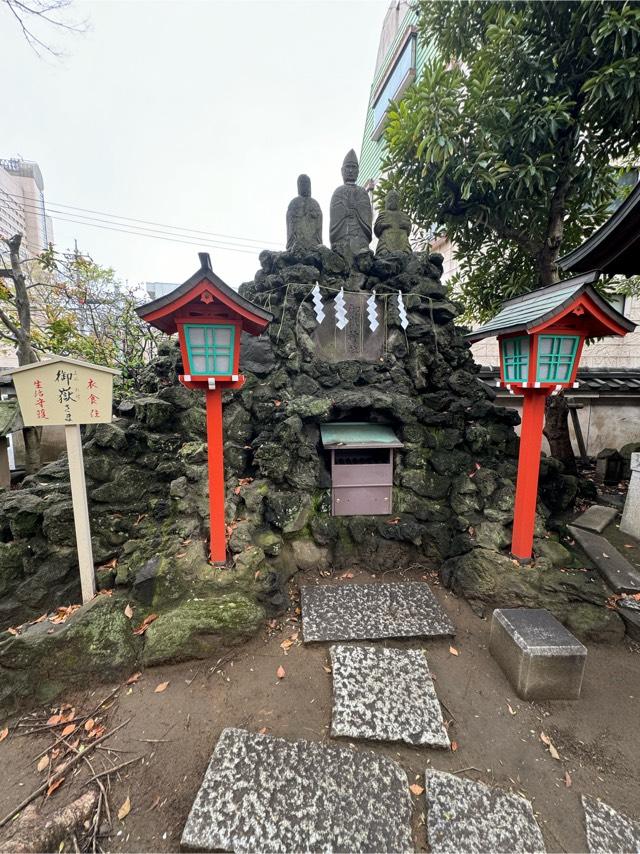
x=596, y=518
x=630, y=523
x=609, y=830
x=616, y=570
x=541, y=659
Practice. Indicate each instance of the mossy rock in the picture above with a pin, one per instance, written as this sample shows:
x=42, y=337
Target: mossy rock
x=96, y=644
x=199, y=628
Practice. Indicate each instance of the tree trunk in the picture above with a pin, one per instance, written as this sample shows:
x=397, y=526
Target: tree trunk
x=556, y=429
x=25, y=352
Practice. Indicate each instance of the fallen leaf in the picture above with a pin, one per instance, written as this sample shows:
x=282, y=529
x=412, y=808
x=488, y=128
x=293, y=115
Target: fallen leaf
x=55, y=785
x=453, y=650
x=287, y=644
x=12, y=631
x=567, y=779
x=545, y=739
x=68, y=730
x=97, y=732
x=128, y=611
x=280, y=672
x=554, y=753
x=263, y=730
x=54, y=719
x=144, y=625
x=454, y=745
x=629, y=546
x=4, y=733
x=125, y=809
x=416, y=789
x=604, y=554
x=326, y=669
x=89, y=725
x=135, y=677
x=161, y=687
x=512, y=711
x=236, y=490
x=44, y=763
x=347, y=575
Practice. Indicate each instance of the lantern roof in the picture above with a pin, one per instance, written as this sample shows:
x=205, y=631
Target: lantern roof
x=539, y=309
x=615, y=246
x=193, y=298
x=356, y=434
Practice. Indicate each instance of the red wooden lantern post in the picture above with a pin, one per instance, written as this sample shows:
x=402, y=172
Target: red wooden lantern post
x=209, y=318
x=541, y=336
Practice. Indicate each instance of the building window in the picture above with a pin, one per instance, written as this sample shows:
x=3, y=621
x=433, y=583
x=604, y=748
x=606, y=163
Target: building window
x=402, y=73
x=210, y=349
x=556, y=355
x=515, y=359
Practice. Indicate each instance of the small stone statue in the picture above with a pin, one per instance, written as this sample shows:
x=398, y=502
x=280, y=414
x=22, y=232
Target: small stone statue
x=304, y=218
x=392, y=227
x=350, y=214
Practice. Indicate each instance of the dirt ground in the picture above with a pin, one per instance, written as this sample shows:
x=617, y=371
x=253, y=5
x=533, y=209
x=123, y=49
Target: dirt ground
x=597, y=737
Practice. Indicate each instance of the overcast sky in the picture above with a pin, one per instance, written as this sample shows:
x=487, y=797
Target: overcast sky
x=194, y=114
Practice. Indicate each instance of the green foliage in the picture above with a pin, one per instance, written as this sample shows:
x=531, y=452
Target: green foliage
x=513, y=137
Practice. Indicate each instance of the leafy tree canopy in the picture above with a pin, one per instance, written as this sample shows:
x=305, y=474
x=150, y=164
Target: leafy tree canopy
x=514, y=137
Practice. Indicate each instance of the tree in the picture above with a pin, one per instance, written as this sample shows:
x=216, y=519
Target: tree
x=15, y=314
x=68, y=305
x=35, y=18
x=513, y=138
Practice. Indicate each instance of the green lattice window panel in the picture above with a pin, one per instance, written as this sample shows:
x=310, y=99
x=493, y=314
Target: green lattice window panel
x=210, y=348
x=515, y=359
x=556, y=355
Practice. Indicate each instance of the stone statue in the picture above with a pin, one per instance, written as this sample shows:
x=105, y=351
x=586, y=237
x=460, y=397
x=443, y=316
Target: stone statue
x=392, y=227
x=350, y=214
x=304, y=218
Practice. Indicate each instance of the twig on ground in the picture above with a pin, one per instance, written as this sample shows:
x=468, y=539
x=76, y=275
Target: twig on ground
x=113, y=770
x=190, y=682
x=70, y=764
x=447, y=710
x=468, y=768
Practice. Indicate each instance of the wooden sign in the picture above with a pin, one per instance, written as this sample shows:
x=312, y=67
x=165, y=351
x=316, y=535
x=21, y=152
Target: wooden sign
x=62, y=391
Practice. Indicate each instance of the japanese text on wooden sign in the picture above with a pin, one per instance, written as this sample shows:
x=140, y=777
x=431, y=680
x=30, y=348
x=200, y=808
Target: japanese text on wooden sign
x=64, y=393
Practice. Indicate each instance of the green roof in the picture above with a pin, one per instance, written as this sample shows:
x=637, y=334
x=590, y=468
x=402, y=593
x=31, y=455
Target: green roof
x=10, y=418
x=527, y=311
x=355, y=434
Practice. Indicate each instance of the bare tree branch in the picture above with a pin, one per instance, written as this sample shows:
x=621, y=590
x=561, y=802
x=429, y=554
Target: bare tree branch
x=48, y=12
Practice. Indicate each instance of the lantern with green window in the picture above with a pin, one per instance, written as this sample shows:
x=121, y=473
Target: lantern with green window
x=210, y=348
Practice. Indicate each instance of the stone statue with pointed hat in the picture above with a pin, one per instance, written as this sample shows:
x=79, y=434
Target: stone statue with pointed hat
x=392, y=227
x=350, y=214
x=304, y=219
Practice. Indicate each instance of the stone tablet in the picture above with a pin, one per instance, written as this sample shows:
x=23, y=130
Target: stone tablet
x=596, y=518
x=385, y=694
x=616, y=570
x=271, y=795
x=608, y=830
x=541, y=659
x=465, y=817
x=371, y=611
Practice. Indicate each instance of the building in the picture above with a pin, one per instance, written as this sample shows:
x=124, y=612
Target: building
x=22, y=207
x=155, y=290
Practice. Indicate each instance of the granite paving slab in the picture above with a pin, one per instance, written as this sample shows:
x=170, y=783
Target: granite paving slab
x=629, y=610
x=609, y=831
x=465, y=817
x=596, y=518
x=268, y=794
x=616, y=570
x=371, y=611
x=386, y=695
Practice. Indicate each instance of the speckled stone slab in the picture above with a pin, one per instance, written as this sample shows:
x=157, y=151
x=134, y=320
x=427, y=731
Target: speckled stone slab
x=371, y=611
x=609, y=831
x=385, y=694
x=271, y=795
x=465, y=817
x=616, y=570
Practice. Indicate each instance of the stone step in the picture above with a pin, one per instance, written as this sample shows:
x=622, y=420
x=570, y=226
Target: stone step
x=336, y=612
x=472, y=818
x=608, y=830
x=385, y=694
x=268, y=794
x=596, y=518
x=538, y=655
x=616, y=570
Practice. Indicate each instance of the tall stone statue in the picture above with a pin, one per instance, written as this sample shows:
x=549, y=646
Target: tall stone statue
x=304, y=218
x=350, y=214
x=392, y=227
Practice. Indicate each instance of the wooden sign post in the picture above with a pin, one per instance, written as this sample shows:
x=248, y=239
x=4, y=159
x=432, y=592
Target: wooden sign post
x=66, y=392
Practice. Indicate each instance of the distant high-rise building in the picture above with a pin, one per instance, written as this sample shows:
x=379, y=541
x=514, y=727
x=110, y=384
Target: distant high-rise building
x=22, y=208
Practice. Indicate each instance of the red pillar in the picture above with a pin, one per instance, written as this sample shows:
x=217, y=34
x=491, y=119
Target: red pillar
x=217, y=539
x=528, y=472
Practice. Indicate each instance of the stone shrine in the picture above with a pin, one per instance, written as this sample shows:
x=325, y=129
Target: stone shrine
x=350, y=214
